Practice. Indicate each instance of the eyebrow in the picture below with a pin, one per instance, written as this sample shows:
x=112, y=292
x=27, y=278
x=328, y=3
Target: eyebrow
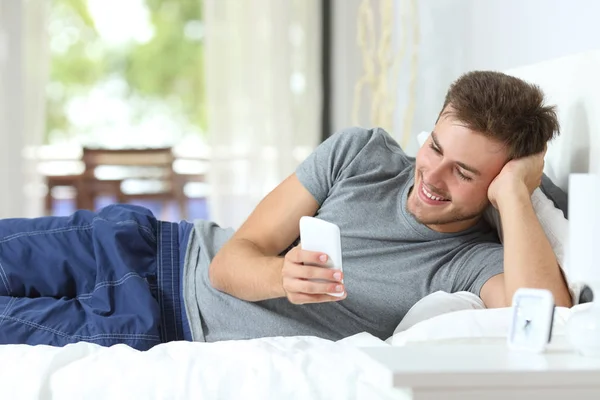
x=460, y=164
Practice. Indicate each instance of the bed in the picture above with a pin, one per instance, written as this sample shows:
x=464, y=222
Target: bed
x=309, y=367
x=269, y=368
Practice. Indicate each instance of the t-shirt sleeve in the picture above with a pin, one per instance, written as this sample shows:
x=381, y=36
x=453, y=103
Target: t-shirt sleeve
x=325, y=166
x=479, y=263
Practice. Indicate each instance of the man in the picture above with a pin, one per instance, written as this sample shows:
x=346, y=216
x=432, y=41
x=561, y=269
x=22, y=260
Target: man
x=409, y=227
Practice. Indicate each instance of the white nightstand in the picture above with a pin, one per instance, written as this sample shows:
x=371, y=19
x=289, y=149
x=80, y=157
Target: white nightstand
x=486, y=369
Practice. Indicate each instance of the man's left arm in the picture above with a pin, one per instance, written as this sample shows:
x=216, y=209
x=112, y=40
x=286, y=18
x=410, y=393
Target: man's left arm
x=529, y=260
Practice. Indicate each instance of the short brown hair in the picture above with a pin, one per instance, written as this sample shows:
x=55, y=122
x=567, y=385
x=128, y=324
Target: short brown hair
x=504, y=108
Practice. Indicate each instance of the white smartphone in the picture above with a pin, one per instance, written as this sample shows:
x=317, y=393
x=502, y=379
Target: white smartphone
x=324, y=237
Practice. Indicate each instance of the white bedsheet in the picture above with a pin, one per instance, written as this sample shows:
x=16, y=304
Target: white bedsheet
x=269, y=368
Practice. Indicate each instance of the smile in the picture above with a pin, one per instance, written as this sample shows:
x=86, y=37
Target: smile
x=430, y=196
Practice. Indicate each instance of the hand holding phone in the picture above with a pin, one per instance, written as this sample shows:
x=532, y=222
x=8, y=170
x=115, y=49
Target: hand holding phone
x=324, y=237
x=314, y=276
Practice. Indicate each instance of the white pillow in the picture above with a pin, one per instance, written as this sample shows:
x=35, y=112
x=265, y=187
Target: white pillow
x=436, y=304
x=473, y=324
x=551, y=219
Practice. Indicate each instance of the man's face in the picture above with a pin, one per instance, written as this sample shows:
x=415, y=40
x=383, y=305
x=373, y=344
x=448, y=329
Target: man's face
x=453, y=171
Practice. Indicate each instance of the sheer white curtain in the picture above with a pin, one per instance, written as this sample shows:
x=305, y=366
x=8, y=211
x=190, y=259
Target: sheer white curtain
x=263, y=83
x=377, y=64
x=23, y=69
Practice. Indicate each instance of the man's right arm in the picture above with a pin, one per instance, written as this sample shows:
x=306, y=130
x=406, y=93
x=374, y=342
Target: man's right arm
x=249, y=267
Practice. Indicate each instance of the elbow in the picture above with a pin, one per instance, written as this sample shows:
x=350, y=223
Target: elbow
x=564, y=300
x=215, y=274
x=566, y=304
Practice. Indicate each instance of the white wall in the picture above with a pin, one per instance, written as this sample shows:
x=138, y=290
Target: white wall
x=461, y=35
x=346, y=62
x=12, y=110
x=510, y=33
x=23, y=69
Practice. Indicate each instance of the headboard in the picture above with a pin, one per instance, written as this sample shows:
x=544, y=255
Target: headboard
x=573, y=84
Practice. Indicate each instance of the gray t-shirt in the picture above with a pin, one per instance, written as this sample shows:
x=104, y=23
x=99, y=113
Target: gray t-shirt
x=361, y=179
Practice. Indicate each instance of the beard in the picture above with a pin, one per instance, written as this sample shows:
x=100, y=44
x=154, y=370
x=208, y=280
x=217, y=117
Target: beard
x=423, y=215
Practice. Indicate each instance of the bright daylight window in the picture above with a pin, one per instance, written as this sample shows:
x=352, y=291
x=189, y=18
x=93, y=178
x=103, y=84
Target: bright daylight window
x=124, y=74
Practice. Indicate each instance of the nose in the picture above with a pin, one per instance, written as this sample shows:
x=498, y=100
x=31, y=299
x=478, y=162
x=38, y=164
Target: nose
x=435, y=176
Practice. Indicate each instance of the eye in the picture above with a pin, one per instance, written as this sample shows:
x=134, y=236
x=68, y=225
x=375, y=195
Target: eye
x=463, y=176
x=432, y=147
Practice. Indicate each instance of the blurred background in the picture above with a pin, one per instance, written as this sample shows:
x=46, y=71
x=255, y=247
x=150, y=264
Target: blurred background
x=198, y=108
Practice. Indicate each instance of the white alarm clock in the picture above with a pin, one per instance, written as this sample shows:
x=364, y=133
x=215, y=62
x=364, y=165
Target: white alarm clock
x=532, y=318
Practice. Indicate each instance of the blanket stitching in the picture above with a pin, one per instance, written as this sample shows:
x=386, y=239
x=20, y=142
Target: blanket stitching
x=5, y=280
x=173, y=286
x=99, y=336
x=7, y=309
x=118, y=282
x=160, y=282
x=145, y=229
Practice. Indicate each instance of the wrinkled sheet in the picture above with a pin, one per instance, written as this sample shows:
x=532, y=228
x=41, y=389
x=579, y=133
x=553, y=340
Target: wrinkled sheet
x=268, y=368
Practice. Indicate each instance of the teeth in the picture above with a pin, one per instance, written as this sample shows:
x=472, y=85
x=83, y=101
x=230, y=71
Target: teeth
x=429, y=195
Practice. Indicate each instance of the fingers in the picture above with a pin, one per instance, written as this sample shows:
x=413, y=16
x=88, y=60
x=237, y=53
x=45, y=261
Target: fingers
x=297, y=285
x=299, y=256
x=310, y=272
x=299, y=291
x=305, y=280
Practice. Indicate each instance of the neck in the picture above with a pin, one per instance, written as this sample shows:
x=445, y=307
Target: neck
x=454, y=227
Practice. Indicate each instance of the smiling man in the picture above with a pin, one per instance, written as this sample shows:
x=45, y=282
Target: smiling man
x=410, y=227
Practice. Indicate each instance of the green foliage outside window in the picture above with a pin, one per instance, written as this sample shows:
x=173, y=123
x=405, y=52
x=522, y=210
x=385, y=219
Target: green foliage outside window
x=166, y=68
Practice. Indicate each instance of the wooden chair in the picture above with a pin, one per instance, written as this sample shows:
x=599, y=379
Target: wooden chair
x=133, y=171
x=54, y=181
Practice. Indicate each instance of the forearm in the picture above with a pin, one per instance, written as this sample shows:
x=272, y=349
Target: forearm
x=241, y=269
x=529, y=260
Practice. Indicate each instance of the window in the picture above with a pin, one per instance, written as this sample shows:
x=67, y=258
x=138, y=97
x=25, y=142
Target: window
x=125, y=73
